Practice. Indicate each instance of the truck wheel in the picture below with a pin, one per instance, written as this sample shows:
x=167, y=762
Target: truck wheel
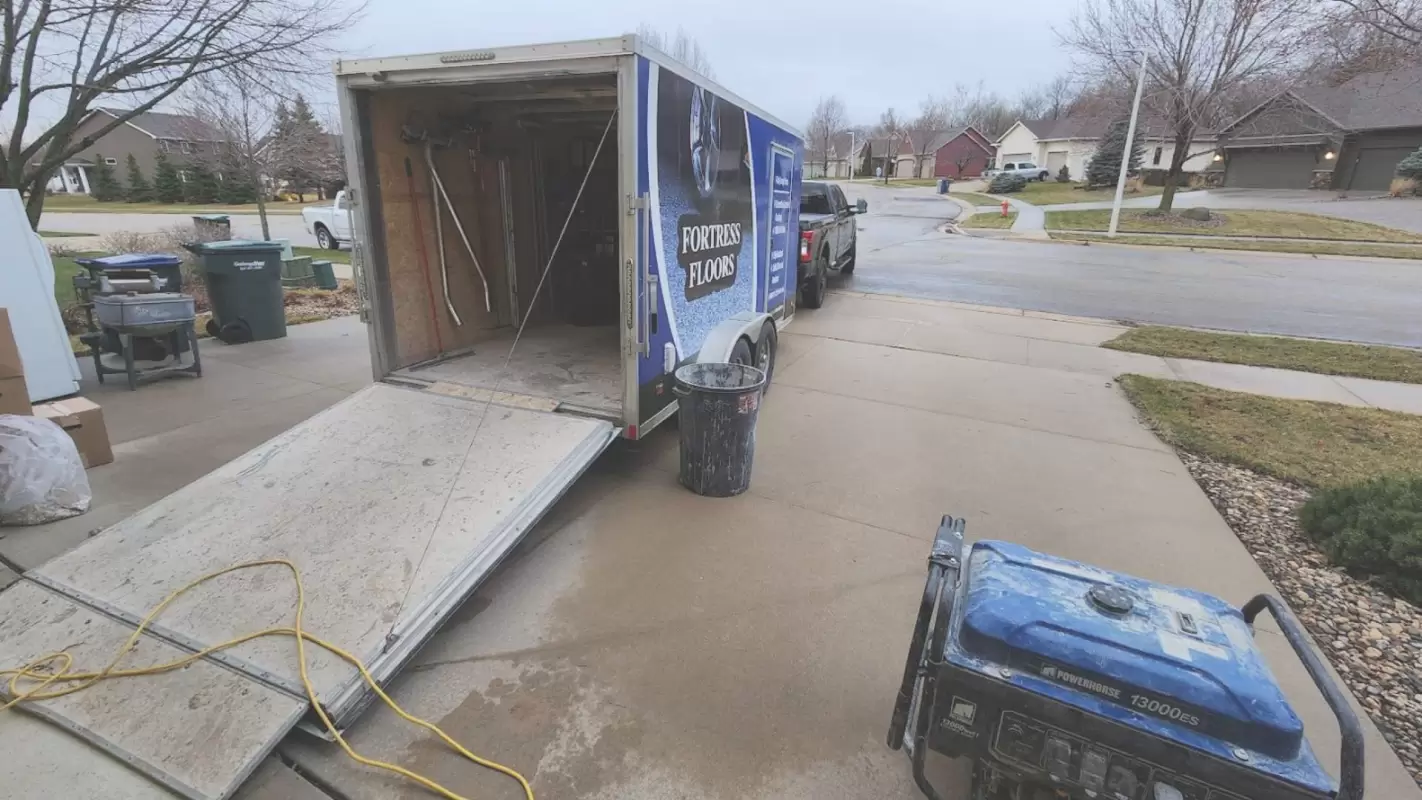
x=1042, y=178
x=765, y=352
x=848, y=268
x=324, y=239
x=812, y=294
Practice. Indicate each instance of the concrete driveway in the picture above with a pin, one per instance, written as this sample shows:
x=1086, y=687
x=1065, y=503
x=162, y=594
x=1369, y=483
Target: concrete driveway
x=901, y=252
x=645, y=643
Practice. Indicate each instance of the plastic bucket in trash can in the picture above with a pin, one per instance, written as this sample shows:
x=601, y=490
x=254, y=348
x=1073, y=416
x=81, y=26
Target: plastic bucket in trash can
x=717, y=408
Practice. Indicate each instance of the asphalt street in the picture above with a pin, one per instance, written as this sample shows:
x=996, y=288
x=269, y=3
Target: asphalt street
x=903, y=251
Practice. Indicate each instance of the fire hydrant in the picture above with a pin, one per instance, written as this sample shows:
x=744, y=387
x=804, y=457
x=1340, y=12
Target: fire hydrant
x=1004, y=208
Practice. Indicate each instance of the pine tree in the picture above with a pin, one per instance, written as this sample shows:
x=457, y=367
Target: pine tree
x=1411, y=166
x=301, y=142
x=104, y=185
x=236, y=188
x=201, y=185
x=138, y=189
x=167, y=186
x=1105, y=164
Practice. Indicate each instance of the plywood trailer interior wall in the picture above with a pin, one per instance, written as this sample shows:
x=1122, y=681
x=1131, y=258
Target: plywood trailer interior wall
x=511, y=156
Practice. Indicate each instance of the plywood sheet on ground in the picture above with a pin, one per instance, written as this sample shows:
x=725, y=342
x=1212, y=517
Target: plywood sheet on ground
x=200, y=729
x=377, y=500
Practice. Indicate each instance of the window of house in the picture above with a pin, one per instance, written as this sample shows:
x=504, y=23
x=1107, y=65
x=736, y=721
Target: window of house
x=1159, y=151
x=113, y=162
x=163, y=145
x=188, y=147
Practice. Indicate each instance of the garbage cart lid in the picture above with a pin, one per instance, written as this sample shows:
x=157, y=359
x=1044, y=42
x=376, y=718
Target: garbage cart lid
x=131, y=261
x=212, y=217
x=236, y=246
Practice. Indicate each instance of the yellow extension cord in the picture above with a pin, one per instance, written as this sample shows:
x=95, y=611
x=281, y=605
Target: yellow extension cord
x=84, y=680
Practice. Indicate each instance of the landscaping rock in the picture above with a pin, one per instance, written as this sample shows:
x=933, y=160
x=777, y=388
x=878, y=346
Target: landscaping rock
x=1374, y=640
x=1199, y=214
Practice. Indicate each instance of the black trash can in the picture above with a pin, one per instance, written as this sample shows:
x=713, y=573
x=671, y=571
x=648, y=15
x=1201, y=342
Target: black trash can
x=717, y=409
x=244, y=287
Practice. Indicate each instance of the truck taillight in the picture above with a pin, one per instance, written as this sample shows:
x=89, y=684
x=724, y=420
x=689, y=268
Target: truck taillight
x=807, y=238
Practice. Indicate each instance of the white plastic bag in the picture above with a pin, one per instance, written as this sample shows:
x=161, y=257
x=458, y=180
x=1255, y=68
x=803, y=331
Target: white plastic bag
x=41, y=475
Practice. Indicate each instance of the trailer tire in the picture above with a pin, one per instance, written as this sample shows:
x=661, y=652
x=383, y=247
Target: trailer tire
x=812, y=294
x=765, y=352
x=742, y=354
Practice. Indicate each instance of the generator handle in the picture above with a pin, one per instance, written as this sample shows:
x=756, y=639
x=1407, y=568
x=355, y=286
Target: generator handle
x=1350, y=760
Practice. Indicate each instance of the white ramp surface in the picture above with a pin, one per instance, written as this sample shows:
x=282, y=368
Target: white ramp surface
x=384, y=501
x=197, y=731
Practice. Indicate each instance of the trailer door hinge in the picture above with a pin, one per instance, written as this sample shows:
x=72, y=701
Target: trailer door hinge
x=636, y=203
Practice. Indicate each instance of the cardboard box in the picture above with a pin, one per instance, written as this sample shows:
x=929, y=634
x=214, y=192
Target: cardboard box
x=10, y=364
x=83, y=420
x=14, y=396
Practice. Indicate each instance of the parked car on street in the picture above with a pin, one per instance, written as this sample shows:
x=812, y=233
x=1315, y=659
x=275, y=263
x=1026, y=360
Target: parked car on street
x=330, y=223
x=828, y=235
x=1026, y=169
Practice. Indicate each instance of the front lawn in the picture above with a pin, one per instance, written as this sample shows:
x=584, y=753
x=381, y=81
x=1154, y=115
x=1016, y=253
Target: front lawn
x=1315, y=247
x=989, y=221
x=1308, y=355
x=1281, y=224
x=322, y=254
x=976, y=199
x=1049, y=192
x=61, y=234
x=86, y=204
x=1302, y=441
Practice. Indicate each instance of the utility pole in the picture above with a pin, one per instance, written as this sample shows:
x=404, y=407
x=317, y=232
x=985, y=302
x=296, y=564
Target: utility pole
x=1126, y=151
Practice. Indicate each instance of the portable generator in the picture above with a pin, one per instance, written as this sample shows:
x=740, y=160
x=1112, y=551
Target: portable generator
x=1062, y=680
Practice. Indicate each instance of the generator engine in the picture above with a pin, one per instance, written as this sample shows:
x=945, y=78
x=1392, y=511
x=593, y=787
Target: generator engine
x=1062, y=680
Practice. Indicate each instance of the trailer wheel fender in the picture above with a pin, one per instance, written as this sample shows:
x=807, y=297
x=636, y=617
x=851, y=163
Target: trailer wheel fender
x=722, y=339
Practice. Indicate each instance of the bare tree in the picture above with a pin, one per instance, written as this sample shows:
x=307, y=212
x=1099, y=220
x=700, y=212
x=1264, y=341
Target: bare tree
x=683, y=47
x=828, y=120
x=923, y=131
x=1058, y=95
x=237, y=105
x=1198, y=53
x=982, y=109
x=1398, y=19
x=71, y=53
x=891, y=130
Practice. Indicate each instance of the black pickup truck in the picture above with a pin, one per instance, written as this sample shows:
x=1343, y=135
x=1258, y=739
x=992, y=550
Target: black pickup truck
x=827, y=238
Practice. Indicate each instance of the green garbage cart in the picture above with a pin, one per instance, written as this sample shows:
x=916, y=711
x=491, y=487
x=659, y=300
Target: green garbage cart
x=244, y=286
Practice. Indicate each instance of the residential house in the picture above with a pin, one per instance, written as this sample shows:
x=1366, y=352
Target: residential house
x=844, y=150
x=1071, y=142
x=1343, y=138
x=961, y=153
x=181, y=136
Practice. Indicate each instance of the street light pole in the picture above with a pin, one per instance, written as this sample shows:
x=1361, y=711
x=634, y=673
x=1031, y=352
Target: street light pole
x=849, y=159
x=1126, y=151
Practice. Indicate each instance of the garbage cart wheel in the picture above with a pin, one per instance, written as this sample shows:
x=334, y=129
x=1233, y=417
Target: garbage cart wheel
x=212, y=329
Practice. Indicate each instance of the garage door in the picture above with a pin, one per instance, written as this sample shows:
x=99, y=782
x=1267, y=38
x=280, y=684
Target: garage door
x=1013, y=158
x=1056, y=160
x=1376, y=166
x=1270, y=169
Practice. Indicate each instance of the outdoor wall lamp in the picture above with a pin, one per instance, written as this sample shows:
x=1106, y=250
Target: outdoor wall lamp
x=1219, y=157
x=1329, y=156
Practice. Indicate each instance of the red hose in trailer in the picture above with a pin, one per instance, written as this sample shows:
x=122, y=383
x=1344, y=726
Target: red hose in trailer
x=424, y=257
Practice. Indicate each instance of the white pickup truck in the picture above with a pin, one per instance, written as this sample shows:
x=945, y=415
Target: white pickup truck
x=1026, y=169
x=330, y=223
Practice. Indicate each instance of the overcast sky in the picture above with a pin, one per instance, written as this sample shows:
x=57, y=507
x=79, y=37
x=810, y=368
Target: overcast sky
x=779, y=55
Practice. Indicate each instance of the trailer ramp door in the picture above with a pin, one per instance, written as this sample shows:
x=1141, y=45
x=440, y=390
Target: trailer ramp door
x=395, y=504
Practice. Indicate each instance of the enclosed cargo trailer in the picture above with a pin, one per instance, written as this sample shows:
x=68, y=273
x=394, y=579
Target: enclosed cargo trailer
x=613, y=211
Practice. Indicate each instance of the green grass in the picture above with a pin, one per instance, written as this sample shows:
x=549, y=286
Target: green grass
x=1302, y=246
x=976, y=198
x=65, y=268
x=61, y=234
x=1282, y=224
x=1308, y=355
x=87, y=204
x=1309, y=443
x=1049, y=192
x=318, y=254
x=989, y=221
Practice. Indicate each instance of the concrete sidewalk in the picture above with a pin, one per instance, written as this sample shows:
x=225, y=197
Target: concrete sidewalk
x=646, y=643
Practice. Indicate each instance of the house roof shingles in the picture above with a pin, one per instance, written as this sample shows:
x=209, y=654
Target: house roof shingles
x=162, y=125
x=1372, y=101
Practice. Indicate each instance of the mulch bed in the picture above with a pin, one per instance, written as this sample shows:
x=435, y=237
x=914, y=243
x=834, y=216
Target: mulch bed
x=1374, y=640
x=1175, y=220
